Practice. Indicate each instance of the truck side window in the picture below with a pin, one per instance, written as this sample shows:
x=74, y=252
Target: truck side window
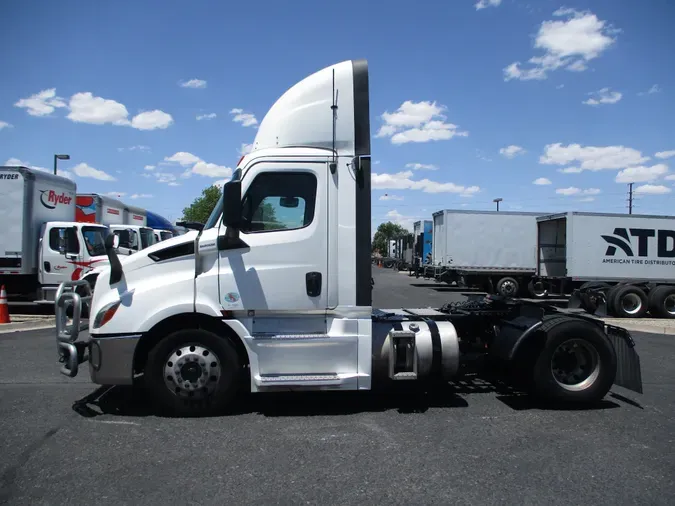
x=57, y=239
x=279, y=201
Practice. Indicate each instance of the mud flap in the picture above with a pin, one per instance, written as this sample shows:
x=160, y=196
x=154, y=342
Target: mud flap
x=628, y=372
x=591, y=301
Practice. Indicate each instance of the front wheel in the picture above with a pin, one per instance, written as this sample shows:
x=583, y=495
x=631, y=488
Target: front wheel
x=193, y=372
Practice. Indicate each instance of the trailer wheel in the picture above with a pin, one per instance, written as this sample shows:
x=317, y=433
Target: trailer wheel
x=610, y=295
x=662, y=301
x=508, y=287
x=630, y=302
x=577, y=364
x=192, y=372
x=537, y=289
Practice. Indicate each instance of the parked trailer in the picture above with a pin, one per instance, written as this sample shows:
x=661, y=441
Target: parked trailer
x=226, y=308
x=490, y=250
x=619, y=263
x=404, y=252
x=422, y=248
x=38, y=211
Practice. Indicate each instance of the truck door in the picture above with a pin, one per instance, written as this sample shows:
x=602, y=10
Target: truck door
x=55, y=265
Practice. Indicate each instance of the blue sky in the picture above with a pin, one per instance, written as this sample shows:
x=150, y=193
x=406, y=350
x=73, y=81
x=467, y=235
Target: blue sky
x=470, y=100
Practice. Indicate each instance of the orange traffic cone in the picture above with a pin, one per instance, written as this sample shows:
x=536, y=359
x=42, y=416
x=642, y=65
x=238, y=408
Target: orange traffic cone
x=4, y=308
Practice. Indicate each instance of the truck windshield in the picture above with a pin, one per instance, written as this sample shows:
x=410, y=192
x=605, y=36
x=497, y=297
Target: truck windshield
x=218, y=210
x=165, y=235
x=147, y=237
x=94, y=239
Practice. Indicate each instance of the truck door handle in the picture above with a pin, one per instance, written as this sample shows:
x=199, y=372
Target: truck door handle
x=70, y=256
x=313, y=282
x=47, y=266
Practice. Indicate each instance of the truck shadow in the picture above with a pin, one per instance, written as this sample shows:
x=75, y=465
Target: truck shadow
x=133, y=402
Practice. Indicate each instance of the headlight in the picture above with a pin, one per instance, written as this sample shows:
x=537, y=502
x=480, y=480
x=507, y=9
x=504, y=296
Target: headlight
x=106, y=313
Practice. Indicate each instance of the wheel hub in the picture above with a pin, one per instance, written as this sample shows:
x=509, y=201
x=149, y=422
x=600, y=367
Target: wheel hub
x=631, y=303
x=669, y=304
x=192, y=371
x=575, y=364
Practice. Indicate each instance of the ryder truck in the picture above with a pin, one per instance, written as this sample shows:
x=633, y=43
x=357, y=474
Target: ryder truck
x=274, y=293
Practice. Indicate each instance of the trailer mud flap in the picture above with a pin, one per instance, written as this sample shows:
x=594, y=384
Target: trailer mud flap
x=628, y=372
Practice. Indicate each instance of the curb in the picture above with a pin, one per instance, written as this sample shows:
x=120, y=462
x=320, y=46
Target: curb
x=641, y=327
x=7, y=328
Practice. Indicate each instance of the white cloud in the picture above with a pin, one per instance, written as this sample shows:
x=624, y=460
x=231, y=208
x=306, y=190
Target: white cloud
x=654, y=89
x=651, y=189
x=193, y=83
x=245, y=149
x=642, y=174
x=165, y=177
x=246, y=119
x=421, y=166
x=482, y=4
x=671, y=177
x=152, y=120
x=603, y=96
x=118, y=195
x=587, y=199
x=174, y=183
x=511, y=151
x=42, y=103
x=141, y=196
x=201, y=117
x=135, y=148
x=577, y=191
x=541, y=181
x=405, y=221
x=183, y=158
x=571, y=170
x=591, y=157
x=14, y=162
x=386, y=196
x=211, y=170
x=86, y=108
x=149, y=167
x=84, y=170
x=418, y=122
x=568, y=44
x=4, y=124
x=402, y=181
x=665, y=154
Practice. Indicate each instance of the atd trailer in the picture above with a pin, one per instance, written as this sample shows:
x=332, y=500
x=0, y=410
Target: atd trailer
x=269, y=301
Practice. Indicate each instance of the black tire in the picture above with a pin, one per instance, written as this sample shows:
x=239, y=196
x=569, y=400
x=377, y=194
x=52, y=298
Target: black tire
x=227, y=383
x=660, y=301
x=626, y=295
x=610, y=295
x=507, y=287
x=593, y=384
x=536, y=289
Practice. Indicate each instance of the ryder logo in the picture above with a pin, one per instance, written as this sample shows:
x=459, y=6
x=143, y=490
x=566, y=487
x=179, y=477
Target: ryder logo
x=50, y=199
x=621, y=239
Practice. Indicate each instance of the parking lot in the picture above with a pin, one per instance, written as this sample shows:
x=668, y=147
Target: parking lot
x=71, y=442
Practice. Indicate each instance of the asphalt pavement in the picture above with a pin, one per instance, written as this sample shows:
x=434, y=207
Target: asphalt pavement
x=71, y=442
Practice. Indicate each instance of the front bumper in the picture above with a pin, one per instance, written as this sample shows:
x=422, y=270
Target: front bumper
x=110, y=358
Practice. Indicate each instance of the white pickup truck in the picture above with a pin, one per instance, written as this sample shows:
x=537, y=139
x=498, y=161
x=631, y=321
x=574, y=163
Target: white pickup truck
x=274, y=293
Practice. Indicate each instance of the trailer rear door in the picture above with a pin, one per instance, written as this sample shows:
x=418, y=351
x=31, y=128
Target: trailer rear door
x=12, y=210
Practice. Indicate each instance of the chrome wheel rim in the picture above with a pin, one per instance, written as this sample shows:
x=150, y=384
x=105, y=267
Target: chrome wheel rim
x=508, y=288
x=631, y=303
x=669, y=304
x=538, y=289
x=192, y=371
x=575, y=365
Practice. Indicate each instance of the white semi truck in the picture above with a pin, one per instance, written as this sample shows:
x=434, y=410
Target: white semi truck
x=274, y=293
x=37, y=209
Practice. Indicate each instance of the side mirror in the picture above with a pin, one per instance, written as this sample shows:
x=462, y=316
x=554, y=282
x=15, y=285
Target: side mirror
x=290, y=202
x=112, y=242
x=232, y=204
x=190, y=225
x=72, y=244
x=123, y=239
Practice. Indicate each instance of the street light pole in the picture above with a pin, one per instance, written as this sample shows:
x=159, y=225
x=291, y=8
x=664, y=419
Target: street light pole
x=497, y=201
x=59, y=157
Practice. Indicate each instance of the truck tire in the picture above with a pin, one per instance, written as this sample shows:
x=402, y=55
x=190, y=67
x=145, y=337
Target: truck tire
x=630, y=302
x=662, y=301
x=536, y=289
x=507, y=287
x=576, y=365
x=193, y=372
x=609, y=299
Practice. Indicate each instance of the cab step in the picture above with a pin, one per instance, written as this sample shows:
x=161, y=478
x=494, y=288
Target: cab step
x=402, y=355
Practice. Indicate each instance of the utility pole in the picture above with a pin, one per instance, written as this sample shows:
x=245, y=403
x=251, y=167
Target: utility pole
x=57, y=158
x=630, y=198
x=497, y=201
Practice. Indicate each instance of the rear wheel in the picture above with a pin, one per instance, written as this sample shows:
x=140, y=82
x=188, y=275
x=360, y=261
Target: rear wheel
x=193, y=372
x=662, y=301
x=536, y=289
x=577, y=364
x=507, y=287
x=630, y=302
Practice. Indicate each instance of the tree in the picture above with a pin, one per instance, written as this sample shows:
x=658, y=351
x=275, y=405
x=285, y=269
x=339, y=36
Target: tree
x=201, y=208
x=385, y=232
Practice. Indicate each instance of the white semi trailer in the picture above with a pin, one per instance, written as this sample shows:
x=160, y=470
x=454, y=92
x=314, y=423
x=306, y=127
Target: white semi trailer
x=282, y=301
x=620, y=264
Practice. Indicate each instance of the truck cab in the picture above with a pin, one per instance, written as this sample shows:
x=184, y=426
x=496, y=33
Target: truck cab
x=162, y=235
x=139, y=238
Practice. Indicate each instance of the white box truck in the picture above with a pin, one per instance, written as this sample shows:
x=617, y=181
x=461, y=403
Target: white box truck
x=257, y=305
x=37, y=208
x=495, y=251
x=623, y=264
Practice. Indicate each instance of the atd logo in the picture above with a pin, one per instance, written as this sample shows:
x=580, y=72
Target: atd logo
x=50, y=199
x=665, y=242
